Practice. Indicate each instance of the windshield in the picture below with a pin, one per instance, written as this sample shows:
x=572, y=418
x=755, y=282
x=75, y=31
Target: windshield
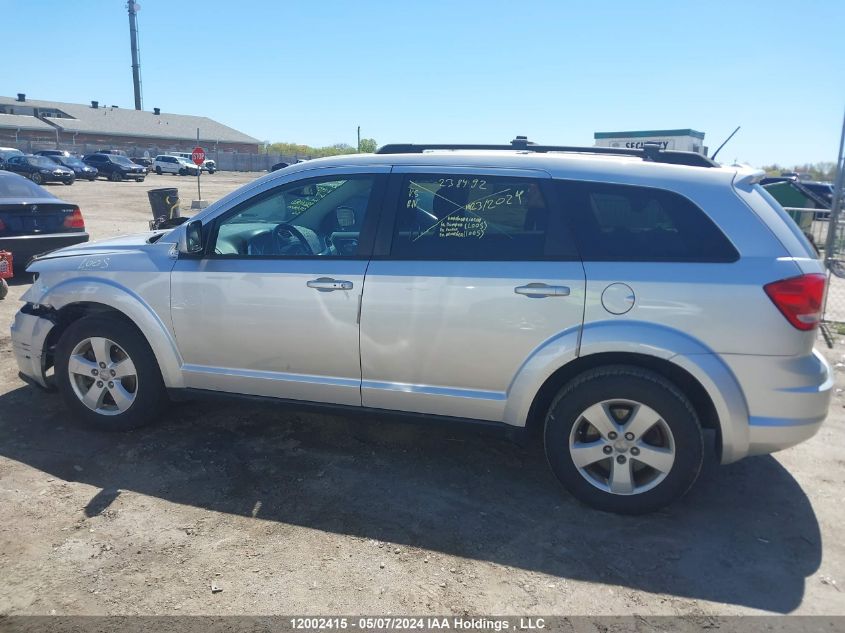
x=121, y=160
x=70, y=161
x=41, y=161
x=17, y=187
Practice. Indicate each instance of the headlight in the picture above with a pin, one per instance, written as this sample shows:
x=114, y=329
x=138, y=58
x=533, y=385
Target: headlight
x=44, y=171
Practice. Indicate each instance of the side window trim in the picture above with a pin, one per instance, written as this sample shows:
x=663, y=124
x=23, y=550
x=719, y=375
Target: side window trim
x=368, y=228
x=558, y=239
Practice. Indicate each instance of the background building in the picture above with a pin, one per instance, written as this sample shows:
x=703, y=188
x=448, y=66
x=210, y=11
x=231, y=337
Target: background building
x=83, y=128
x=686, y=140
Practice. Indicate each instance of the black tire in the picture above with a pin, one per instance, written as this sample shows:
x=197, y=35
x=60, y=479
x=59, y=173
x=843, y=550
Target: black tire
x=115, y=176
x=150, y=393
x=139, y=180
x=158, y=170
x=4, y=288
x=92, y=178
x=36, y=178
x=630, y=384
x=70, y=182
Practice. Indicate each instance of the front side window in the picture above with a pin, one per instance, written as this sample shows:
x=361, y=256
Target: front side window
x=630, y=223
x=317, y=217
x=470, y=217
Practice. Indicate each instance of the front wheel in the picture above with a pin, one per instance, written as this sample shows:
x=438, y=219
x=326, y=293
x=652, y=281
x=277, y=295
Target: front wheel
x=36, y=178
x=623, y=439
x=4, y=288
x=107, y=374
x=69, y=182
x=115, y=176
x=158, y=170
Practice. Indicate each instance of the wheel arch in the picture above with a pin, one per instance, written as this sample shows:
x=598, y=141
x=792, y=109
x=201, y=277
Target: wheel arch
x=63, y=305
x=698, y=395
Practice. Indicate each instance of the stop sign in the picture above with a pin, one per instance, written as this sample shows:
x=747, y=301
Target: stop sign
x=198, y=155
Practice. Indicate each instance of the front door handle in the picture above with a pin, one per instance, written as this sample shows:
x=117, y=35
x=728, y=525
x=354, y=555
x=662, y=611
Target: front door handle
x=536, y=290
x=327, y=284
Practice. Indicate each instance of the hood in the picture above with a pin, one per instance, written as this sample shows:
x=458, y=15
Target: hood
x=114, y=246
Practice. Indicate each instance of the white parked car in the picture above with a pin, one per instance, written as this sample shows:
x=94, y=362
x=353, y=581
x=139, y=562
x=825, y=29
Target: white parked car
x=176, y=165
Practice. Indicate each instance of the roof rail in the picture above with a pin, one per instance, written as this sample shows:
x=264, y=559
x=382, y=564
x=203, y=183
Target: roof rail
x=649, y=152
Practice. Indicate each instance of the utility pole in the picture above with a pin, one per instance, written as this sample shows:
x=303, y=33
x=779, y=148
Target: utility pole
x=133, y=8
x=359, y=139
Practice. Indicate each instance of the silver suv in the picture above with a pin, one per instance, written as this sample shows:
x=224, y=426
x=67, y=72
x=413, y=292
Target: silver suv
x=619, y=303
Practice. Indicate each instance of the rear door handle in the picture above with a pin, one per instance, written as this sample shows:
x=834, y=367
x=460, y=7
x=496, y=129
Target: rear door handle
x=536, y=290
x=327, y=284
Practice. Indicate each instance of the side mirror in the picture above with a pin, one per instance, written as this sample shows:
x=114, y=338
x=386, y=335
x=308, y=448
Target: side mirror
x=193, y=238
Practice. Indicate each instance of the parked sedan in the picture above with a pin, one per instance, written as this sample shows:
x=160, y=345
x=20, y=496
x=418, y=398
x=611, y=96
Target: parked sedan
x=6, y=153
x=34, y=221
x=115, y=167
x=80, y=169
x=53, y=152
x=40, y=169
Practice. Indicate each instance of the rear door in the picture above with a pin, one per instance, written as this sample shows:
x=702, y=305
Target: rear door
x=472, y=273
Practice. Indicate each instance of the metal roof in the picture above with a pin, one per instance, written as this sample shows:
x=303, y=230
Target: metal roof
x=23, y=122
x=114, y=121
x=647, y=133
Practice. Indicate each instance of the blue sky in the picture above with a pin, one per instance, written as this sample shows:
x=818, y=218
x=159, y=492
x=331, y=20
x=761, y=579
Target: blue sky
x=310, y=72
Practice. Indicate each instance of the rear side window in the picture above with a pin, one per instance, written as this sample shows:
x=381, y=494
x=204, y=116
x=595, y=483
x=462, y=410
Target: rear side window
x=471, y=217
x=629, y=223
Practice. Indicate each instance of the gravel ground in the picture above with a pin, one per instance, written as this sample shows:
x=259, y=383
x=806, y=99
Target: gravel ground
x=232, y=508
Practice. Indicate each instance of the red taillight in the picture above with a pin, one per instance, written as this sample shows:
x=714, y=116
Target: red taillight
x=75, y=220
x=799, y=299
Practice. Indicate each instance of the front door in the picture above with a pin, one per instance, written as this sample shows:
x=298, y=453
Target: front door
x=477, y=272
x=272, y=306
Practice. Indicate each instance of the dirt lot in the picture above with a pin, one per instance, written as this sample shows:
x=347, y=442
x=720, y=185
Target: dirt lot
x=299, y=513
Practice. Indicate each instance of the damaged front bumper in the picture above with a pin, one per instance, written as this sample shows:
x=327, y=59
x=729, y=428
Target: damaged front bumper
x=30, y=329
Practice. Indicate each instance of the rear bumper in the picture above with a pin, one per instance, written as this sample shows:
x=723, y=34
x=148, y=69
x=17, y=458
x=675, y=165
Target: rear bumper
x=787, y=397
x=25, y=247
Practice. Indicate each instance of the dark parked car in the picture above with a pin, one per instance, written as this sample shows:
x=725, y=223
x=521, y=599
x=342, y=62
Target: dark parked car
x=143, y=162
x=52, y=152
x=34, y=221
x=115, y=167
x=6, y=153
x=80, y=169
x=40, y=169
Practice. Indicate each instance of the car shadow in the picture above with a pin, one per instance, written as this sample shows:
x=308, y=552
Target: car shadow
x=746, y=534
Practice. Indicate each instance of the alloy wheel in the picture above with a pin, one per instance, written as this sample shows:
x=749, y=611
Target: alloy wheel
x=103, y=376
x=622, y=447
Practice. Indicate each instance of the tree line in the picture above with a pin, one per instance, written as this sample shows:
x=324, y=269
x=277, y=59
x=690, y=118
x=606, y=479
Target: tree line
x=368, y=145
x=815, y=171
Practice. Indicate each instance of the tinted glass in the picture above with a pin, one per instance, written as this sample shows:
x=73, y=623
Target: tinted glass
x=17, y=187
x=320, y=217
x=469, y=217
x=621, y=222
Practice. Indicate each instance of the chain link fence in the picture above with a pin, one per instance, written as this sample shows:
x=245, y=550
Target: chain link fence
x=226, y=161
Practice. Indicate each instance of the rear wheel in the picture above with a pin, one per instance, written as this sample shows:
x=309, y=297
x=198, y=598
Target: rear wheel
x=108, y=375
x=623, y=439
x=36, y=178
